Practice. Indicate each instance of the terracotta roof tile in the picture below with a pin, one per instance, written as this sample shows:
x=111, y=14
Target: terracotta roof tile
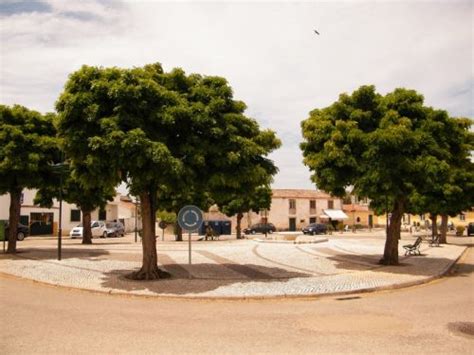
x=297, y=193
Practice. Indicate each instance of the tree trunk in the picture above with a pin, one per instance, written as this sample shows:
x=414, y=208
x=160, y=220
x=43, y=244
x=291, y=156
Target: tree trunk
x=149, y=269
x=390, y=255
x=239, y=225
x=434, y=225
x=14, y=219
x=443, y=229
x=179, y=233
x=86, y=227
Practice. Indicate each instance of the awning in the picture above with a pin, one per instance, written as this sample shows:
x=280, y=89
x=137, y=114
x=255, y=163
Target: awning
x=334, y=214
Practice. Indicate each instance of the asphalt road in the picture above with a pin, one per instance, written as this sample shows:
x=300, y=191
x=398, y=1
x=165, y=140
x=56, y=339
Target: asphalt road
x=43, y=319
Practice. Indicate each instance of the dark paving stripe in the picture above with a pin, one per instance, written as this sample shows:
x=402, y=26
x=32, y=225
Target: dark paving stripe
x=349, y=258
x=172, y=266
x=241, y=269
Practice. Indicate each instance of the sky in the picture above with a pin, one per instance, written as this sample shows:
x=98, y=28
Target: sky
x=267, y=51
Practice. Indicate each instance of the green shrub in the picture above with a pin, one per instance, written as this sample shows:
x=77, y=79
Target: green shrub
x=459, y=230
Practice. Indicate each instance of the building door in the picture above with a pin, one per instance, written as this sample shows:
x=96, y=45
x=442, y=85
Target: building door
x=292, y=224
x=371, y=221
x=41, y=223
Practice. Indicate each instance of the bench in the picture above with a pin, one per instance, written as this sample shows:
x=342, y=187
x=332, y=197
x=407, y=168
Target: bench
x=212, y=235
x=433, y=240
x=413, y=249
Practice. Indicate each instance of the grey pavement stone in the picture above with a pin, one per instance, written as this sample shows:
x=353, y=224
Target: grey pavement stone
x=229, y=268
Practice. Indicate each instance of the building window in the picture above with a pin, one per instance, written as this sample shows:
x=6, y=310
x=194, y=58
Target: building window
x=462, y=217
x=292, y=204
x=312, y=204
x=102, y=215
x=312, y=220
x=422, y=217
x=330, y=204
x=75, y=215
x=358, y=219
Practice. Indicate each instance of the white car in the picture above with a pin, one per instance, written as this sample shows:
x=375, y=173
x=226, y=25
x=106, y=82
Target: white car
x=98, y=228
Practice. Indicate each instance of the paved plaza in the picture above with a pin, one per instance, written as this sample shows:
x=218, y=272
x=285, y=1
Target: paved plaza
x=230, y=268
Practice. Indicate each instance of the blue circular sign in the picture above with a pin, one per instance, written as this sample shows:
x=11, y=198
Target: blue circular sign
x=190, y=218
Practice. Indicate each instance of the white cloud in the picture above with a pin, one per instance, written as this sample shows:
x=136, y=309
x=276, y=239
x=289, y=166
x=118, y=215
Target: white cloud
x=267, y=51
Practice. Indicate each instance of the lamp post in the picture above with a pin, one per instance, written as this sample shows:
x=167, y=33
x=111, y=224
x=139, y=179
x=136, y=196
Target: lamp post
x=59, y=168
x=60, y=229
x=386, y=216
x=136, y=219
x=266, y=221
x=353, y=214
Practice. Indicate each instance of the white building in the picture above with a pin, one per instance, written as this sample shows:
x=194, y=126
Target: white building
x=45, y=220
x=291, y=210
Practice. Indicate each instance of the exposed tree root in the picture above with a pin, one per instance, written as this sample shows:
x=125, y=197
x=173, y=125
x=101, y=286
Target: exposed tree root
x=148, y=275
x=384, y=261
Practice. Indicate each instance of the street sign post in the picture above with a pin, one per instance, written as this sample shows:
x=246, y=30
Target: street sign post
x=190, y=219
x=163, y=226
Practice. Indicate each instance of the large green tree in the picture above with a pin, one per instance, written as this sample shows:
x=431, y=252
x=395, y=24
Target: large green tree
x=381, y=145
x=152, y=128
x=27, y=151
x=112, y=121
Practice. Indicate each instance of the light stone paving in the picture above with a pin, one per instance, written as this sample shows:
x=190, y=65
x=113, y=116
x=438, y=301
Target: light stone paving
x=229, y=268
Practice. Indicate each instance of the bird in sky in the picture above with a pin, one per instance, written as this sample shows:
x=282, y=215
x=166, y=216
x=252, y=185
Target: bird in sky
x=316, y=32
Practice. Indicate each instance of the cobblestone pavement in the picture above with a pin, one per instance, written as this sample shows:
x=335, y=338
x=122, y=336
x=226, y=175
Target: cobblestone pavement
x=231, y=268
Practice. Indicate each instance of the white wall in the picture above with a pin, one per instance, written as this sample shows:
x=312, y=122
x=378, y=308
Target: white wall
x=28, y=207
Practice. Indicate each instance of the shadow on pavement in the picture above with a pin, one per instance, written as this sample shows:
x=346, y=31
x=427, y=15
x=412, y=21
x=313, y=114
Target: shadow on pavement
x=462, y=270
x=52, y=253
x=410, y=265
x=207, y=279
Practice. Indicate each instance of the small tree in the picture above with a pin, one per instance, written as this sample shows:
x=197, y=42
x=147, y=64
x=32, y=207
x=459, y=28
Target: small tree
x=173, y=198
x=449, y=185
x=86, y=199
x=167, y=217
x=27, y=150
x=254, y=199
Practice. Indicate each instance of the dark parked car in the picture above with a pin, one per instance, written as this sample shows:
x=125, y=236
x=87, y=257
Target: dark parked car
x=22, y=231
x=260, y=228
x=315, y=228
x=470, y=229
x=115, y=229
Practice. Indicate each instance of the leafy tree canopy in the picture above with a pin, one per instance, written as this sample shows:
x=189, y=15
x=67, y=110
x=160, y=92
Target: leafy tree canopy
x=27, y=151
x=389, y=148
x=153, y=129
x=27, y=148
